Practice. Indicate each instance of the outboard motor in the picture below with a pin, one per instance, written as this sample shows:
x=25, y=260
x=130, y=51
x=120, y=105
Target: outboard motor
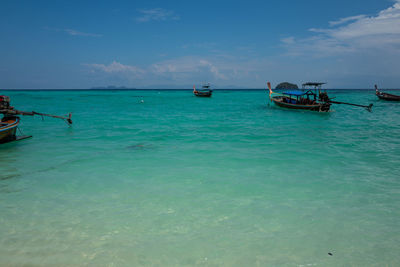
x=323, y=97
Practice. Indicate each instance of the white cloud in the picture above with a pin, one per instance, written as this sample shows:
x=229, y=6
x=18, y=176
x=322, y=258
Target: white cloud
x=352, y=34
x=345, y=20
x=213, y=69
x=383, y=26
x=78, y=33
x=73, y=32
x=353, y=52
x=187, y=66
x=183, y=71
x=200, y=45
x=117, y=68
x=288, y=40
x=156, y=14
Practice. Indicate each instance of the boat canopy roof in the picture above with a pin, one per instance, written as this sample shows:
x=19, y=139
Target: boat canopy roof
x=313, y=84
x=295, y=93
x=206, y=85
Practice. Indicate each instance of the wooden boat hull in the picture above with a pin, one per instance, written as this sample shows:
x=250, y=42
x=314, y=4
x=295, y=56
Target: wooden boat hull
x=387, y=97
x=203, y=94
x=8, y=128
x=322, y=107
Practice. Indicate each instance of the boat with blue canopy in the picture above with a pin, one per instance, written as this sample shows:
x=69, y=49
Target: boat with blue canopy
x=297, y=99
x=311, y=97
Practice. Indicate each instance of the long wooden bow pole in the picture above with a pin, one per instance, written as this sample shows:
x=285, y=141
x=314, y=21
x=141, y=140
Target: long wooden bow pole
x=66, y=118
x=369, y=107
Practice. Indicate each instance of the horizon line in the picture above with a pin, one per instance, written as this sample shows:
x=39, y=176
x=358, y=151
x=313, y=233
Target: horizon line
x=171, y=89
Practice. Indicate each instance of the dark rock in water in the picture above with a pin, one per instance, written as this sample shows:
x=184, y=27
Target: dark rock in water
x=136, y=147
x=6, y=177
x=330, y=254
x=287, y=85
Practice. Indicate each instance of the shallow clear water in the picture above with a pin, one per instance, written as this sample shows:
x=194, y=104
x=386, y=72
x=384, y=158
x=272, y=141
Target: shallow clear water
x=179, y=180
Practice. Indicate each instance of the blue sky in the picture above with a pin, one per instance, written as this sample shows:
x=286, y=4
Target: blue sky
x=175, y=44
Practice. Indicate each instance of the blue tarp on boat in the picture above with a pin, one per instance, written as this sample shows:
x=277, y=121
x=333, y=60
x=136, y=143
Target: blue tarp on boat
x=295, y=93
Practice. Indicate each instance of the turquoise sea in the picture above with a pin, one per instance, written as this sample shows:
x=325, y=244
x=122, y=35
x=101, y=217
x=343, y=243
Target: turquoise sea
x=163, y=178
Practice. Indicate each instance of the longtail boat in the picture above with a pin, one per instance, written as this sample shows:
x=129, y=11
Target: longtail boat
x=10, y=121
x=297, y=99
x=205, y=91
x=386, y=96
x=8, y=129
x=310, y=98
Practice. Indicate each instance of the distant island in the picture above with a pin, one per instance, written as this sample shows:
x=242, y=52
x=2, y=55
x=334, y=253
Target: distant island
x=111, y=87
x=286, y=85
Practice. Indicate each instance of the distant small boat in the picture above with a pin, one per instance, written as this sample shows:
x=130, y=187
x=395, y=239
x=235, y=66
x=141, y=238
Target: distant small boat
x=8, y=129
x=386, y=96
x=205, y=91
